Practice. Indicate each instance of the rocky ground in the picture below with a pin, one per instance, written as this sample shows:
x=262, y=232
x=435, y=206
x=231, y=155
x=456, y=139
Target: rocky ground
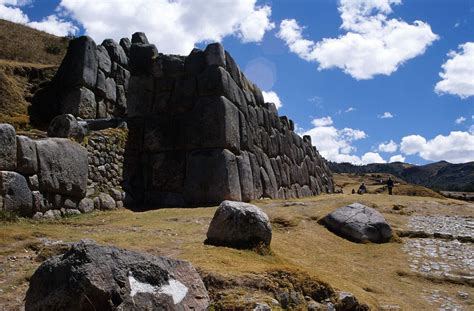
x=444, y=252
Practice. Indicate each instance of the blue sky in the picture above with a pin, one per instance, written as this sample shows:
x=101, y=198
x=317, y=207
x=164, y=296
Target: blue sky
x=362, y=77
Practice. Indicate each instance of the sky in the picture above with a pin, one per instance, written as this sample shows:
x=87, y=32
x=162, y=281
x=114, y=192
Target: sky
x=371, y=81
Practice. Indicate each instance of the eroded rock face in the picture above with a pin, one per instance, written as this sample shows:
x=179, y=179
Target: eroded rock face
x=240, y=225
x=63, y=167
x=93, y=277
x=358, y=223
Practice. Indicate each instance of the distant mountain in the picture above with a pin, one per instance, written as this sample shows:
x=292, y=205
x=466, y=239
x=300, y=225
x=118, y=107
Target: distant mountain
x=437, y=176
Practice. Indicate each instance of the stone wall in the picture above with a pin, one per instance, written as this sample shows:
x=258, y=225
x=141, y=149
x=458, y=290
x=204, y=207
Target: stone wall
x=105, y=155
x=91, y=82
x=57, y=177
x=201, y=133
x=41, y=178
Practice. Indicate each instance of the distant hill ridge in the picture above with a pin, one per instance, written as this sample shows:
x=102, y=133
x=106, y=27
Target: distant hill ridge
x=437, y=176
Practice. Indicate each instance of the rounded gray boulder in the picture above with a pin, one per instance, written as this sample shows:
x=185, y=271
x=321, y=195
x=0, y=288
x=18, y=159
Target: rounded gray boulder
x=66, y=126
x=17, y=197
x=358, y=223
x=93, y=277
x=239, y=225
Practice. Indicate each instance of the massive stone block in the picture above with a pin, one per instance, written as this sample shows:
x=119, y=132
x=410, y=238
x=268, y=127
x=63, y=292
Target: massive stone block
x=7, y=147
x=141, y=58
x=26, y=156
x=80, y=102
x=63, y=167
x=116, y=52
x=79, y=67
x=217, y=81
x=140, y=98
x=103, y=60
x=17, y=197
x=213, y=123
x=246, y=177
x=166, y=172
x=211, y=176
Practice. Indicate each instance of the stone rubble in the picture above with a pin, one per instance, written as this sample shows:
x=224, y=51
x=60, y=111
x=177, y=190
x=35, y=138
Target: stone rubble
x=446, y=253
x=443, y=226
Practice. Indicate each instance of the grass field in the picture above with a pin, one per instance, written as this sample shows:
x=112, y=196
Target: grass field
x=302, y=250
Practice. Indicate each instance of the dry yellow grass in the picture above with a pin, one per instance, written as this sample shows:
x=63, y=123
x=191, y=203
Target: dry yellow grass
x=18, y=82
x=25, y=44
x=27, y=58
x=377, y=274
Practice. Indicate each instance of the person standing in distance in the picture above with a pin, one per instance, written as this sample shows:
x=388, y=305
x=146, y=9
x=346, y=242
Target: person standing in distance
x=390, y=185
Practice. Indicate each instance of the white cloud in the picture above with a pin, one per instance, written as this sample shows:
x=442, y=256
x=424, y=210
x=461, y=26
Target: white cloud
x=376, y=44
x=272, y=97
x=54, y=25
x=458, y=72
x=385, y=115
x=372, y=157
x=460, y=120
x=174, y=26
x=11, y=10
x=324, y=121
x=457, y=147
x=390, y=146
x=350, y=109
x=397, y=158
x=336, y=144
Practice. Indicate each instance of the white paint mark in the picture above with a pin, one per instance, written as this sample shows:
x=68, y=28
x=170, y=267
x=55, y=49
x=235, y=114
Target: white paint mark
x=175, y=289
x=139, y=287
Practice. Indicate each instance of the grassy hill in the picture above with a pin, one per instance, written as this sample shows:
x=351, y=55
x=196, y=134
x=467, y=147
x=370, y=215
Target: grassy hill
x=28, y=45
x=28, y=58
x=437, y=176
x=375, y=183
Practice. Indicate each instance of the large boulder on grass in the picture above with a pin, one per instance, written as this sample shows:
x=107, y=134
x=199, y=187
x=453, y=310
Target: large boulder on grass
x=93, y=277
x=239, y=225
x=358, y=223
